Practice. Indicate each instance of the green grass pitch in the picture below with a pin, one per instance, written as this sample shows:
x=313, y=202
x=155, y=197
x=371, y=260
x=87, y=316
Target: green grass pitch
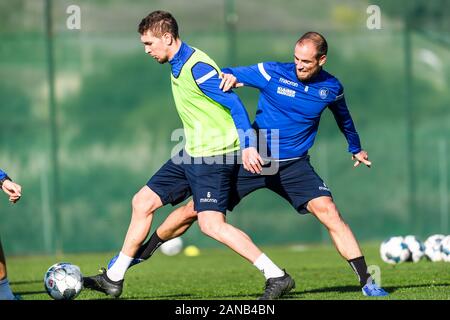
x=320, y=274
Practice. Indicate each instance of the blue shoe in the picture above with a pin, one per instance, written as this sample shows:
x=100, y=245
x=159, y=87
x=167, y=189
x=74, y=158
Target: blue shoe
x=372, y=290
x=133, y=262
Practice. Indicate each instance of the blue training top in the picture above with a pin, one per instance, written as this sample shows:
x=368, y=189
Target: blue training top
x=294, y=107
x=2, y=174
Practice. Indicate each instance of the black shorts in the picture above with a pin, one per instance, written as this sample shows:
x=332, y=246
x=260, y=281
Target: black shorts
x=206, y=179
x=296, y=181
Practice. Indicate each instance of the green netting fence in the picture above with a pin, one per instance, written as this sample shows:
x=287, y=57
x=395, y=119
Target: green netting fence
x=86, y=116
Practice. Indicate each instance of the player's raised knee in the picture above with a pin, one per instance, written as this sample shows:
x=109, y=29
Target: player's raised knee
x=326, y=210
x=332, y=218
x=145, y=202
x=140, y=206
x=209, y=228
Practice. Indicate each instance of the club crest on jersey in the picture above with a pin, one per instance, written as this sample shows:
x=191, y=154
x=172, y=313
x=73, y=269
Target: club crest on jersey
x=323, y=93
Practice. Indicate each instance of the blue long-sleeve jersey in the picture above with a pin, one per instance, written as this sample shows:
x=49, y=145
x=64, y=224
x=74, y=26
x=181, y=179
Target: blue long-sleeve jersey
x=2, y=174
x=294, y=107
x=207, y=79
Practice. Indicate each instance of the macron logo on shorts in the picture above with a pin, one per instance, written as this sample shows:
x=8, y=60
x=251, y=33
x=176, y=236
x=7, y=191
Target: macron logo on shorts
x=208, y=198
x=324, y=188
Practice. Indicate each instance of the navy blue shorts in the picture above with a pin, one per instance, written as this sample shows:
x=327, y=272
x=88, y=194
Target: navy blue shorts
x=296, y=181
x=208, y=181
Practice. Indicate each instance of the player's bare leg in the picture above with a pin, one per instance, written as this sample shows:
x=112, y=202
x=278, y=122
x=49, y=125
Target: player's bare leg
x=173, y=226
x=177, y=222
x=110, y=281
x=144, y=204
x=213, y=224
x=345, y=242
x=326, y=211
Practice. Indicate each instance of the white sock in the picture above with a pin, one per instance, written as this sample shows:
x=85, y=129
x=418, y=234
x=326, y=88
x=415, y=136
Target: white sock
x=5, y=290
x=267, y=267
x=120, y=266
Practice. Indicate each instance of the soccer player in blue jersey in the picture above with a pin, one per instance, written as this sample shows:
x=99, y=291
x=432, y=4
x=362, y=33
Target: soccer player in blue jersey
x=291, y=101
x=14, y=192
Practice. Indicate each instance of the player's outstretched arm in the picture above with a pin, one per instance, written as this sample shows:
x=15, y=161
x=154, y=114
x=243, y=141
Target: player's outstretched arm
x=255, y=76
x=347, y=127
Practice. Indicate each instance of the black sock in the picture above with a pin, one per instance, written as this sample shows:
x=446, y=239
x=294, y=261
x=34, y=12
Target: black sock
x=148, y=248
x=359, y=266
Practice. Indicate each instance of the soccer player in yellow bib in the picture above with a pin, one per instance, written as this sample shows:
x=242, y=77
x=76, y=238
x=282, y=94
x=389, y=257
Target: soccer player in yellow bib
x=216, y=127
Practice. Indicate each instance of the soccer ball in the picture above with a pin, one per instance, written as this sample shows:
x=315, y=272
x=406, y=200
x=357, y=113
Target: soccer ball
x=394, y=250
x=63, y=281
x=445, y=249
x=172, y=247
x=433, y=247
x=415, y=247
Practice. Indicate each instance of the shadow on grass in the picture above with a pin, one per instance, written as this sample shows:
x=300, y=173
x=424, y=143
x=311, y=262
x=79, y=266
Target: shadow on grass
x=181, y=296
x=337, y=289
x=344, y=289
x=156, y=297
x=252, y=296
x=424, y=285
x=18, y=283
x=24, y=293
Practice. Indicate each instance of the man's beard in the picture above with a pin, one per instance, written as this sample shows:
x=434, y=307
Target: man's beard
x=309, y=76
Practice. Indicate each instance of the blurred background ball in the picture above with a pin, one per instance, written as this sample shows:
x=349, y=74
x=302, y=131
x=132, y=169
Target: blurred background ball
x=415, y=247
x=433, y=247
x=394, y=250
x=191, y=251
x=445, y=249
x=172, y=247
